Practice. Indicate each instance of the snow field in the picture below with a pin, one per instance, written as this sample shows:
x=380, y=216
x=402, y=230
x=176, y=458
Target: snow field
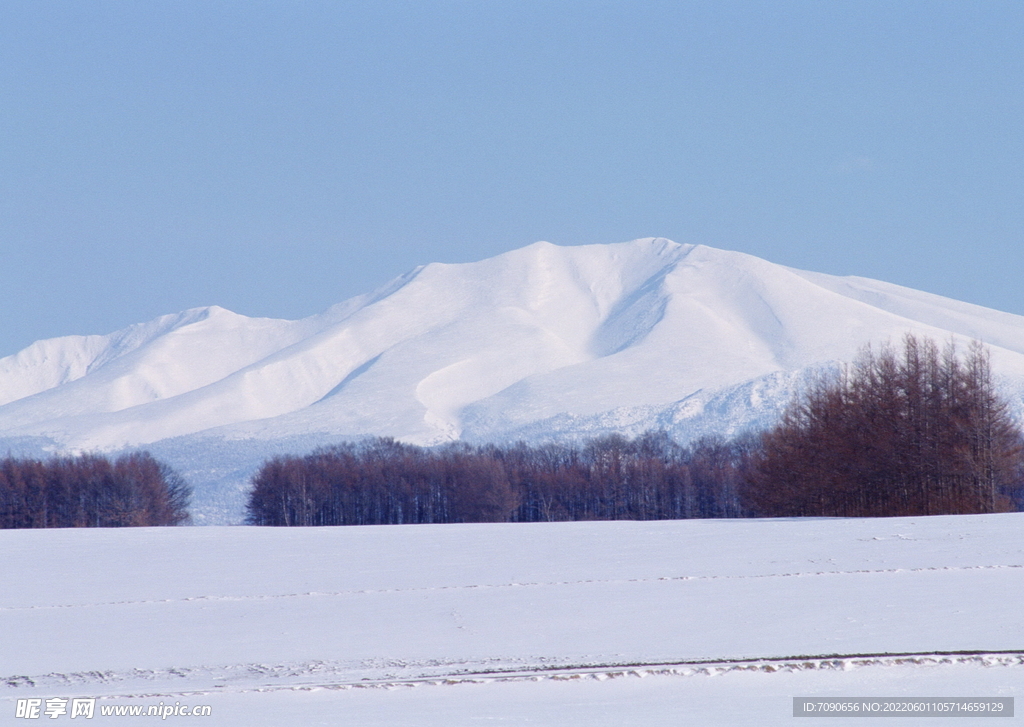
x=547, y=623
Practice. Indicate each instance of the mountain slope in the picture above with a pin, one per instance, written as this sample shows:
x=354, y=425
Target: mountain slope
x=564, y=337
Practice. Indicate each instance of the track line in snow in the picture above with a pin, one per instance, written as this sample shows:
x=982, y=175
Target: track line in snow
x=310, y=676
x=537, y=584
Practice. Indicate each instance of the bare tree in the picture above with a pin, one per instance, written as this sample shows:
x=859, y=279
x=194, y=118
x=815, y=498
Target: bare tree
x=91, y=491
x=917, y=431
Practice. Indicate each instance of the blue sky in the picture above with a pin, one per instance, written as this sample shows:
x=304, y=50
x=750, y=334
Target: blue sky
x=275, y=158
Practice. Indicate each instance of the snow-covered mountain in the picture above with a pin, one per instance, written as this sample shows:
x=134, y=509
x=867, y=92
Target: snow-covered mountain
x=544, y=341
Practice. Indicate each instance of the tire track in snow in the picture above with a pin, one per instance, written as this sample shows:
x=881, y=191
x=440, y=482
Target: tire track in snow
x=538, y=584
x=311, y=675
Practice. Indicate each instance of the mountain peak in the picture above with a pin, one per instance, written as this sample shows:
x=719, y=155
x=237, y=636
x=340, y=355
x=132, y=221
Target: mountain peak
x=476, y=350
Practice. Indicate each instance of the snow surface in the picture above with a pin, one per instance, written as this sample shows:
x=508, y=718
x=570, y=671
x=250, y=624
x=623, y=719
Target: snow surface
x=608, y=623
x=538, y=343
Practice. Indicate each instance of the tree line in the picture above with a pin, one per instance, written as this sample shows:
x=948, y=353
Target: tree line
x=914, y=431
x=381, y=481
x=91, y=491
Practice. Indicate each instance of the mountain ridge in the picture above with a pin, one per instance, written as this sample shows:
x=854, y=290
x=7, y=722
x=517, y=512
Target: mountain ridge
x=559, y=329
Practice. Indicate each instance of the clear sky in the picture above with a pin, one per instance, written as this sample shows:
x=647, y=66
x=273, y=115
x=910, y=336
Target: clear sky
x=275, y=158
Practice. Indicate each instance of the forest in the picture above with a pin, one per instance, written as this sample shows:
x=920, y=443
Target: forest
x=380, y=481
x=91, y=491
x=909, y=431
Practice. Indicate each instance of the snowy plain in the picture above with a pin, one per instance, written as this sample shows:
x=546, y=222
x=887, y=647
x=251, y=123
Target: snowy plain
x=593, y=623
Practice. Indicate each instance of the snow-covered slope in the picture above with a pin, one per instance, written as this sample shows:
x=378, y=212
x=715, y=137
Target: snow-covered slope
x=646, y=331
